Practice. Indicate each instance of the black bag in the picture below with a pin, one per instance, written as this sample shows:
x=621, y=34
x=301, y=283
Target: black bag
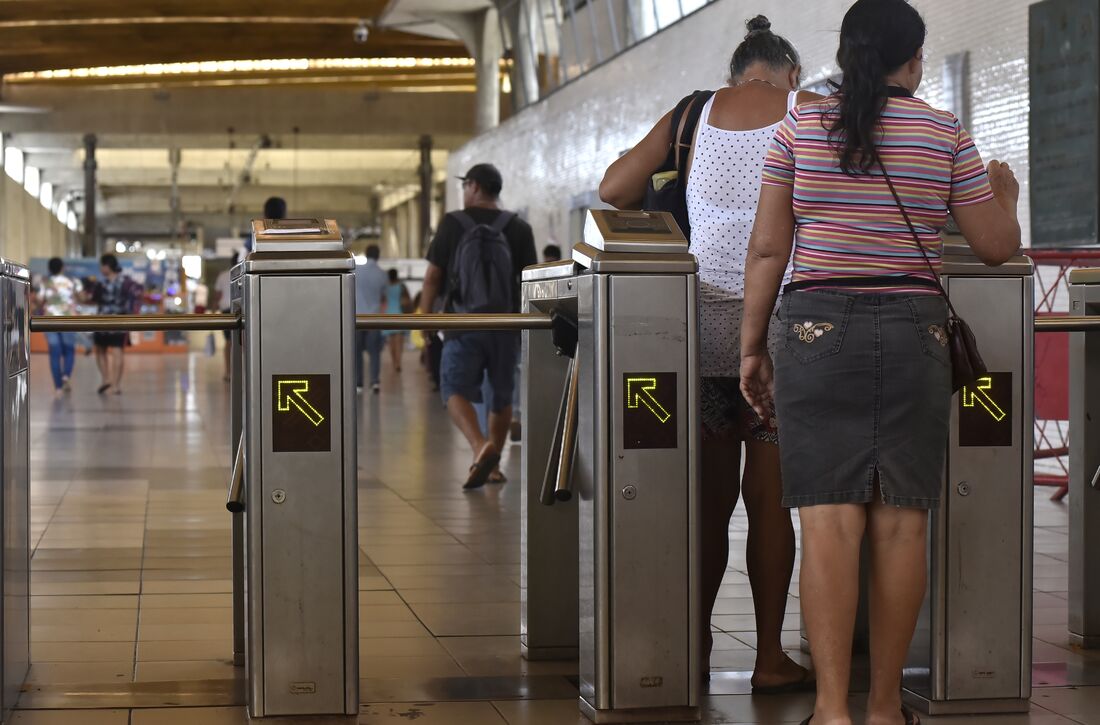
x=481, y=268
x=966, y=362
x=665, y=190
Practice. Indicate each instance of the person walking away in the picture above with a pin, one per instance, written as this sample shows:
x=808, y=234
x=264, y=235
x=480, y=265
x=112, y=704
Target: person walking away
x=730, y=142
x=396, y=300
x=222, y=296
x=370, y=285
x=475, y=261
x=551, y=253
x=863, y=181
x=116, y=294
x=57, y=296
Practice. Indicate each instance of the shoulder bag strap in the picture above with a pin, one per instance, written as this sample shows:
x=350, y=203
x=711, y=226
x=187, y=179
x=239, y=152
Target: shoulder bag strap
x=465, y=220
x=502, y=220
x=916, y=238
x=688, y=123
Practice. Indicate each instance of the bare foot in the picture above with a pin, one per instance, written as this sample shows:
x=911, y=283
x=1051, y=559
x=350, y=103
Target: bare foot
x=789, y=673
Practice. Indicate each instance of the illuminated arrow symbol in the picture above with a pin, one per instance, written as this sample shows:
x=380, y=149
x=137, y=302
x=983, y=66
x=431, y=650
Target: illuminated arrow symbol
x=981, y=395
x=292, y=394
x=639, y=391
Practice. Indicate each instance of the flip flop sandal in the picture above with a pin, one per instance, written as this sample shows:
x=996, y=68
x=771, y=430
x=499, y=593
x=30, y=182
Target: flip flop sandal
x=479, y=472
x=804, y=684
x=497, y=477
x=103, y=388
x=910, y=716
x=807, y=720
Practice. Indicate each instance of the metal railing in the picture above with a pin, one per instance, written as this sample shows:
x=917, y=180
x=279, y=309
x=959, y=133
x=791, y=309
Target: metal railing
x=221, y=321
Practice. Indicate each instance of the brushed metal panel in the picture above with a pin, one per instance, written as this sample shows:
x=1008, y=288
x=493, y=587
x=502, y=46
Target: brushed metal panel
x=16, y=538
x=590, y=419
x=649, y=548
x=1084, y=460
x=301, y=332
x=984, y=580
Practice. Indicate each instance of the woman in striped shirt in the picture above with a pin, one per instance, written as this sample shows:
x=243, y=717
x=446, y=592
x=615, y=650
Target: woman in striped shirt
x=862, y=382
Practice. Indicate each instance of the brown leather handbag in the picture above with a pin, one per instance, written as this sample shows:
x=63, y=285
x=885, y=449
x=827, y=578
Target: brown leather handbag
x=966, y=362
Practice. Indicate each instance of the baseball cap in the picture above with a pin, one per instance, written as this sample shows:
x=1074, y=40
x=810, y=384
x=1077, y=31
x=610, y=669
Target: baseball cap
x=487, y=177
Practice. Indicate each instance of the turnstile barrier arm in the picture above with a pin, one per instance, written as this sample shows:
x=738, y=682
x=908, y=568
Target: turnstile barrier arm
x=235, y=501
x=547, y=493
x=563, y=490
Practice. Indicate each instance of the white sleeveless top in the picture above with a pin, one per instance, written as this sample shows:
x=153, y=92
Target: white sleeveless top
x=723, y=189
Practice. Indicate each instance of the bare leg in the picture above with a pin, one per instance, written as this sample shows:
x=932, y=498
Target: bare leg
x=114, y=359
x=829, y=585
x=897, y=552
x=465, y=419
x=499, y=423
x=101, y=363
x=718, y=489
x=396, y=342
x=770, y=554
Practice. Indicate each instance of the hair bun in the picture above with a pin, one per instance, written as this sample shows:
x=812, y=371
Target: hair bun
x=759, y=24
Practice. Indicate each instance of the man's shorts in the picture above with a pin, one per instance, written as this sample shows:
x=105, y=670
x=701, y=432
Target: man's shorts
x=468, y=356
x=110, y=339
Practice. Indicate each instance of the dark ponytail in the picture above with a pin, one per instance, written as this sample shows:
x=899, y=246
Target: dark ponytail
x=876, y=38
x=761, y=45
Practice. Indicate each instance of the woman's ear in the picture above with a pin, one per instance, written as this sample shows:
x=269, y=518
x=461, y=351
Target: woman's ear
x=795, y=77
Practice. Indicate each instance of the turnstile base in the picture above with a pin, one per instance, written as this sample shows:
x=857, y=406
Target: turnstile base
x=1085, y=641
x=964, y=707
x=304, y=720
x=643, y=715
x=548, y=654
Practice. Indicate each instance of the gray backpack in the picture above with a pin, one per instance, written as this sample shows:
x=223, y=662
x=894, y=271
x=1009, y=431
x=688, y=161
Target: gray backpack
x=481, y=277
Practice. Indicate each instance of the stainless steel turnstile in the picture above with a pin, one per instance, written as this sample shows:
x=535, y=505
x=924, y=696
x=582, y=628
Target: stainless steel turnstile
x=632, y=291
x=1084, y=464
x=972, y=650
x=15, y=501
x=296, y=295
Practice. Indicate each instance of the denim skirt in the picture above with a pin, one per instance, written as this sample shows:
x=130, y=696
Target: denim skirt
x=862, y=386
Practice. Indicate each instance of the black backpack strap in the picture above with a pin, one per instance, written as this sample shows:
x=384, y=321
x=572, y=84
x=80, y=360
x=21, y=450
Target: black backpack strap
x=465, y=220
x=694, y=111
x=502, y=220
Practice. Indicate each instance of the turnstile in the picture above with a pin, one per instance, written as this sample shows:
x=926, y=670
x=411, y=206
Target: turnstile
x=296, y=294
x=972, y=650
x=15, y=499
x=1084, y=464
x=632, y=291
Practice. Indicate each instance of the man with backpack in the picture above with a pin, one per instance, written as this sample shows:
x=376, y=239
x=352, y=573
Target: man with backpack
x=475, y=261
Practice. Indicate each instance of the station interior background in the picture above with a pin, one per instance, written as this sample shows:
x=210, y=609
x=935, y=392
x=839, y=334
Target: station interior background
x=156, y=130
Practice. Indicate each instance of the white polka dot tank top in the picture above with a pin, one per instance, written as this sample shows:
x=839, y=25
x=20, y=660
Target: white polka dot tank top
x=722, y=193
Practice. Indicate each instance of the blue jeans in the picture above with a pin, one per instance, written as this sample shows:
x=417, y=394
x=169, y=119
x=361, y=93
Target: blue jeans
x=371, y=342
x=62, y=355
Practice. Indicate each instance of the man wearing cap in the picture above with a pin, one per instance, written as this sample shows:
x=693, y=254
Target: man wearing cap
x=468, y=356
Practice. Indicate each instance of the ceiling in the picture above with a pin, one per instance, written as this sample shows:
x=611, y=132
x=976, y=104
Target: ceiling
x=342, y=119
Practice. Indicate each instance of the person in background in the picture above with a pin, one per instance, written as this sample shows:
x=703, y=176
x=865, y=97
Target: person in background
x=478, y=254
x=731, y=140
x=863, y=181
x=396, y=300
x=221, y=302
x=370, y=287
x=116, y=294
x=275, y=208
x=57, y=296
x=551, y=253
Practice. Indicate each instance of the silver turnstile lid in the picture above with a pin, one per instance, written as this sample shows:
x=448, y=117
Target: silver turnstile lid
x=1087, y=275
x=296, y=235
x=550, y=270
x=959, y=259
x=645, y=242
x=9, y=268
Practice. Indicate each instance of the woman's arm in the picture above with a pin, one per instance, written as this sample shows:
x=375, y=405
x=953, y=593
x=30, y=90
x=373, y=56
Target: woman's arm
x=991, y=227
x=624, y=182
x=768, y=254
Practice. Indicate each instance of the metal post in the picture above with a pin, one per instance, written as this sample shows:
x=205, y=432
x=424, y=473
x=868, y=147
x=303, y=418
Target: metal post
x=614, y=26
x=1084, y=464
x=425, y=171
x=590, y=10
x=14, y=452
x=237, y=444
x=972, y=650
x=301, y=543
x=90, y=246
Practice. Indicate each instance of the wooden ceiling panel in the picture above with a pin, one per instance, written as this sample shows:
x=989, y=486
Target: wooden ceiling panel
x=53, y=11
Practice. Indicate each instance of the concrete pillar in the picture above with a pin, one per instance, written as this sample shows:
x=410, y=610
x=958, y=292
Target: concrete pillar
x=90, y=246
x=520, y=18
x=487, y=51
x=425, y=173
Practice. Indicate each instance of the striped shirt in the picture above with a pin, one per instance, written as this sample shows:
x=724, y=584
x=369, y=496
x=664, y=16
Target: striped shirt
x=850, y=226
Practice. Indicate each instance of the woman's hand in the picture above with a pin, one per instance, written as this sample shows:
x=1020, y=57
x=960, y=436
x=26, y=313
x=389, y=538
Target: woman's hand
x=1006, y=189
x=758, y=383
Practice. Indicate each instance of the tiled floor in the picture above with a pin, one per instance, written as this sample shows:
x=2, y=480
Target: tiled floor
x=131, y=612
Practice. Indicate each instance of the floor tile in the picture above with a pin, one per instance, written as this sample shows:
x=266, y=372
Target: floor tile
x=439, y=713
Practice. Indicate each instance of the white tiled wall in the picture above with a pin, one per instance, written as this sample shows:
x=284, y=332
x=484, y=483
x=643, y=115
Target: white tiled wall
x=554, y=152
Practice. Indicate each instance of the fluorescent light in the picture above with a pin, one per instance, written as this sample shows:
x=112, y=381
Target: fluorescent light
x=192, y=266
x=45, y=194
x=13, y=163
x=32, y=180
x=71, y=221
x=63, y=211
x=120, y=247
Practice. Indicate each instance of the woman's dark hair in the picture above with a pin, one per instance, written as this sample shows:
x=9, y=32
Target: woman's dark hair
x=761, y=45
x=876, y=38
x=110, y=261
x=392, y=275
x=56, y=265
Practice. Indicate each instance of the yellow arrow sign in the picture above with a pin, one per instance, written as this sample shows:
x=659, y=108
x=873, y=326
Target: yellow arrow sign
x=639, y=391
x=979, y=395
x=291, y=393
